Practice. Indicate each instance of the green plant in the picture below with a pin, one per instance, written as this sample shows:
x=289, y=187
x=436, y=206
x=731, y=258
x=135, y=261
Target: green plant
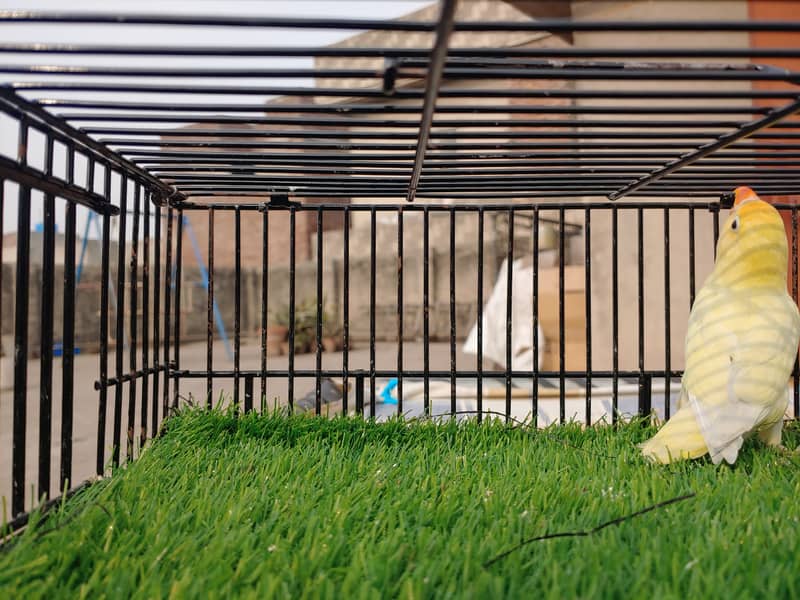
x=280, y=315
x=305, y=315
x=305, y=323
x=303, y=340
x=331, y=327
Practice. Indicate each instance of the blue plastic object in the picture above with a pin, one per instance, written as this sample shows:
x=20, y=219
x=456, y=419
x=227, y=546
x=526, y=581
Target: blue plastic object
x=84, y=244
x=58, y=349
x=386, y=393
x=39, y=228
x=204, y=282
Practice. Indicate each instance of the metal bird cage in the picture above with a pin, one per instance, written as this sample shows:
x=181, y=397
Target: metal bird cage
x=548, y=189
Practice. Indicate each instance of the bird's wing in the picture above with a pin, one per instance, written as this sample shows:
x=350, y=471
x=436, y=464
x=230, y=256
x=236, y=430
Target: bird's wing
x=740, y=351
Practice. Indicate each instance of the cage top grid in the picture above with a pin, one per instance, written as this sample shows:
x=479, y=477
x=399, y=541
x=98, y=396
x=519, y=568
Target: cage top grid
x=430, y=121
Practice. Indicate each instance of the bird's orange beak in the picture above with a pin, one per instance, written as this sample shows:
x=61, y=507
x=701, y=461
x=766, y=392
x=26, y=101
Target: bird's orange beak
x=743, y=194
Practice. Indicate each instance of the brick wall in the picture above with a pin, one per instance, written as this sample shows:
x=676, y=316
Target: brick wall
x=252, y=236
x=778, y=11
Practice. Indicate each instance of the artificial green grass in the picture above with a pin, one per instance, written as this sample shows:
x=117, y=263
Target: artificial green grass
x=299, y=507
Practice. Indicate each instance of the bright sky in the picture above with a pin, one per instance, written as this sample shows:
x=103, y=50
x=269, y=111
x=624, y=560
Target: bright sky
x=179, y=36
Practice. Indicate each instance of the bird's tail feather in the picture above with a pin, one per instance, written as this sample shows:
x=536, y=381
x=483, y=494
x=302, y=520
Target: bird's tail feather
x=678, y=439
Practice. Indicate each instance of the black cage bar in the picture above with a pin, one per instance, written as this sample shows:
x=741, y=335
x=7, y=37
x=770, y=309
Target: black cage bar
x=432, y=226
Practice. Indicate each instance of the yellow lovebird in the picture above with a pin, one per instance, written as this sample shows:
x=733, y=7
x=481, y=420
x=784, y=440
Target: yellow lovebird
x=741, y=343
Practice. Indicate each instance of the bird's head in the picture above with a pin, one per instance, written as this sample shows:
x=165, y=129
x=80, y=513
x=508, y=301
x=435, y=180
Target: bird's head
x=752, y=249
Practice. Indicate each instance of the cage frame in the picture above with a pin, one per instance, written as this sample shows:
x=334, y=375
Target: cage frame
x=170, y=178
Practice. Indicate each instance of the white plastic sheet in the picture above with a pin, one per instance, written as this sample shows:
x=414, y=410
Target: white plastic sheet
x=494, y=320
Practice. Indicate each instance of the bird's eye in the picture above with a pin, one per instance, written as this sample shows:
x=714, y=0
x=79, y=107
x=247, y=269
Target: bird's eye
x=735, y=224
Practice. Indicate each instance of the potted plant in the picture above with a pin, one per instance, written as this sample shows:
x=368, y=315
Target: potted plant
x=303, y=341
x=331, y=333
x=305, y=319
x=278, y=331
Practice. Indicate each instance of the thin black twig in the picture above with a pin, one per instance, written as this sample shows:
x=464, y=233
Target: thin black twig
x=187, y=400
x=588, y=532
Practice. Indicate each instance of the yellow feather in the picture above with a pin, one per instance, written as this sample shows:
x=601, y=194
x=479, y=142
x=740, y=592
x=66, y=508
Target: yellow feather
x=679, y=439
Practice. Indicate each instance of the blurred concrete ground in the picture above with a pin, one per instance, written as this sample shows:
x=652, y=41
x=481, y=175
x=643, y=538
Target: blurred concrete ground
x=193, y=356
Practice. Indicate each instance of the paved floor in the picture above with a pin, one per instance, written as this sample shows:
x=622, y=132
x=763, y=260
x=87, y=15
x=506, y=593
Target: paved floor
x=193, y=357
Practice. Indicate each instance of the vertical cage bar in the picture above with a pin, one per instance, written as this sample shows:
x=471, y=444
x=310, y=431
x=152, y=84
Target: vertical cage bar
x=105, y=283
x=667, y=312
x=68, y=336
x=292, y=276
x=2, y=228
x=359, y=392
x=318, y=357
x=715, y=223
x=692, y=261
x=210, y=312
x=400, y=310
x=46, y=324
x=640, y=282
x=145, y=319
x=167, y=310
x=237, y=305
x=509, y=311
x=346, y=311
x=178, y=283
x=645, y=394
x=248, y=393
x=535, y=315
x=615, y=313
x=452, y=311
x=156, y=318
x=796, y=370
x=119, y=335
x=21, y=308
x=21, y=282
x=134, y=323
x=479, y=323
x=372, y=301
x=264, y=301
x=644, y=404
x=426, y=347
x=562, y=409
x=587, y=297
